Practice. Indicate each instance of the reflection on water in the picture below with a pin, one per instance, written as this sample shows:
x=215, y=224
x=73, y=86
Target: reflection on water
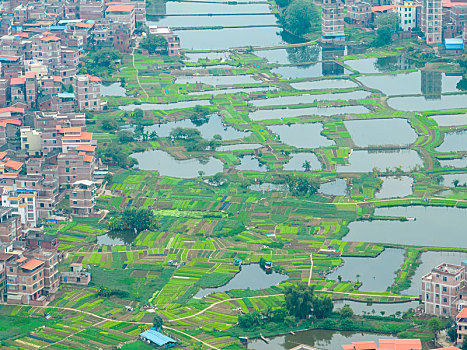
x=324, y=84
x=251, y=163
x=263, y=114
x=338, y=187
x=364, y=161
x=164, y=106
x=450, y=119
x=320, y=338
x=291, y=55
x=381, y=64
x=114, y=89
x=309, y=98
x=250, y=277
x=424, y=231
x=167, y=165
x=395, y=186
x=297, y=160
x=375, y=274
x=376, y=308
x=454, y=142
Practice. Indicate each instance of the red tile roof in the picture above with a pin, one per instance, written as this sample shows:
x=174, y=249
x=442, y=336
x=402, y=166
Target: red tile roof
x=57, y=79
x=20, y=260
x=120, y=8
x=3, y=155
x=84, y=25
x=76, y=264
x=364, y=345
x=30, y=74
x=13, y=164
x=12, y=110
x=86, y=148
x=88, y=159
x=32, y=264
x=93, y=78
x=22, y=35
x=400, y=344
x=462, y=313
x=10, y=58
x=50, y=38
x=382, y=8
x=3, y=123
x=17, y=81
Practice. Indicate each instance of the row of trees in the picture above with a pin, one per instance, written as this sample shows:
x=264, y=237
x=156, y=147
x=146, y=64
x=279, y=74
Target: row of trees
x=300, y=304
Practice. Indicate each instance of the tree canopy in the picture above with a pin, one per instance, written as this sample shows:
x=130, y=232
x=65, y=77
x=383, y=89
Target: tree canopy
x=133, y=220
x=299, y=15
x=154, y=44
x=100, y=63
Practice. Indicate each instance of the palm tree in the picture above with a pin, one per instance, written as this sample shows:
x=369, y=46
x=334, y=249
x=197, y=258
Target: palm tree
x=306, y=165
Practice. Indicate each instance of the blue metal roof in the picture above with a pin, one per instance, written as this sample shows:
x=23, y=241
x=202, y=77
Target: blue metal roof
x=57, y=28
x=66, y=95
x=157, y=338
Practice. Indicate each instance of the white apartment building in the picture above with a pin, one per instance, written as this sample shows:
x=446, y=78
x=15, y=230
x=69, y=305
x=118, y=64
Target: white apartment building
x=23, y=203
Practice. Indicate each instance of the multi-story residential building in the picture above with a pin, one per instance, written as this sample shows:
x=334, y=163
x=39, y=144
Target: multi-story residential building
x=10, y=225
x=431, y=21
x=46, y=49
x=458, y=17
x=173, y=41
x=443, y=290
x=31, y=141
x=91, y=10
x=359, y=12
x=386, y=344
x=87, y=90
x=12, y=66
x=73, y=137
x=407, y=10
x=76, y=275
x=332, y=21
x=140, y=9
x=122, y=13
x=51, y=277
x=461, y=323
x=82, y=197
x=23, y=203
x=73, y=166
x=37, y=239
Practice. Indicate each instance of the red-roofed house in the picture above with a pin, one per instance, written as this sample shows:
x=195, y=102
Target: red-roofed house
x=46, y=50
x=386, y=344
x=461, y=321
x=122, y=13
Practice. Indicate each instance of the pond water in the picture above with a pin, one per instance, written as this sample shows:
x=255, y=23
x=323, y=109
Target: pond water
x=114, y=89
x=250, y=163
x=298, y=112
x=379, y=132
x=212, y=21
x=365, y=161
x=425, y=230
x=190, y=8
x=308, y=99
x=229, y=38
x=375, y=274
x=448, y=179
x=250, y=276
x=453, y=142
x=233, y=91
x=338, y=187
x=395, y=186
x=164, y=106
x=195, y=56
x=297, y=159
x=302, y=135
x=167, y=165
x=421, y=103
x=107, y=240
x=324, y=84
x=214, y=126
x=428, y=83
x=381, y=64
x=322, y=339
x=215, y=80
x=455, y=163
x=239, y=147
x=367, y=308
x=291, y=55
x=267, y=186
x=450, y=119
x=429, y=260
x=307, y=71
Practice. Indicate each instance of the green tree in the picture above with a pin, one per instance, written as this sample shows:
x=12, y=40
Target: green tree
x=346, y=311
x=157, y=322
x=322, y=307
x=154, y=44
x=464, y=344
x=306, y=165
x=126, y=136
x=452, y=334
x=299, y=300
x=299, y=16
x=100, y=63
x=390, y=20
x=435, y=325
x=109, y=125
x=383, y=37
x=133, y=220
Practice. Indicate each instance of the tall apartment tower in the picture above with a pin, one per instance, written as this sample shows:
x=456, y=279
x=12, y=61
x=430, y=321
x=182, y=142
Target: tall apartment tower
x=332, y=21
x=432, y=21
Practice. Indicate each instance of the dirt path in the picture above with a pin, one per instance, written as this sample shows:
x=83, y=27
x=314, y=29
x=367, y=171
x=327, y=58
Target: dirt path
x=136, y=69
x=311, y=269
